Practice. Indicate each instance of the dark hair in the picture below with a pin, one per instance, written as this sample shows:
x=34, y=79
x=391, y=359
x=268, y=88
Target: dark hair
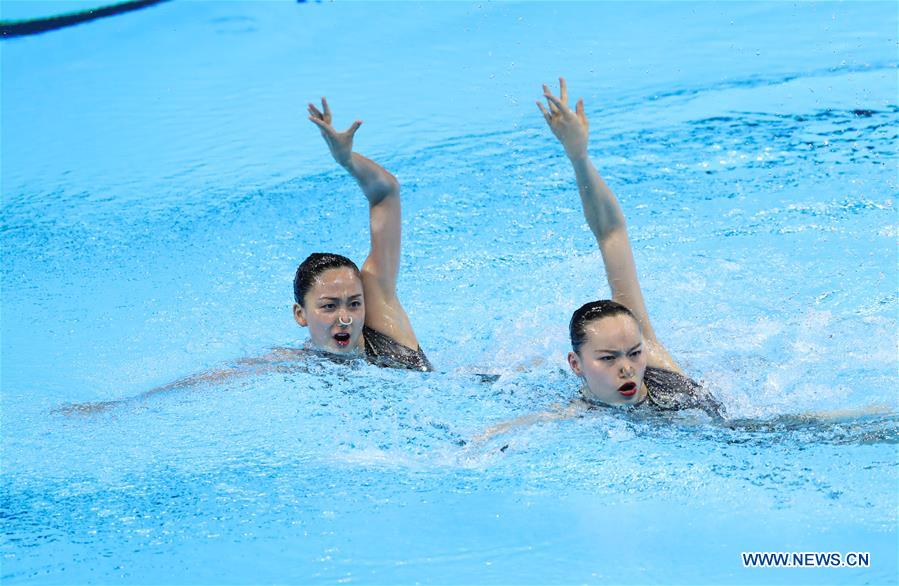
x=314, y=265
x=593, y=311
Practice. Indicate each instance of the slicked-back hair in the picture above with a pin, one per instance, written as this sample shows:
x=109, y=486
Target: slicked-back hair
x=590, y=312
x=314, y=265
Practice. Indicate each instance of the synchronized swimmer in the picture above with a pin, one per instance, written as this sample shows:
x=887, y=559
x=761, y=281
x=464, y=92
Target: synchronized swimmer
x=349, y=312
x=353, y=313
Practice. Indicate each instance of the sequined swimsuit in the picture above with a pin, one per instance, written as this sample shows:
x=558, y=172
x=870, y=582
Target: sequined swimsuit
x=670, y=391
x=382, y=350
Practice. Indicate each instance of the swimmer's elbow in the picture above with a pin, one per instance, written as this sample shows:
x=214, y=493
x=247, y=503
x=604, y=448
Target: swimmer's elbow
x=385, y=188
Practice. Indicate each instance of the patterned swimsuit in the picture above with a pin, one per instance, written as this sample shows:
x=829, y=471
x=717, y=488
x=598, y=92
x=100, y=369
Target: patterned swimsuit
x=670, y=391
x=382, y=350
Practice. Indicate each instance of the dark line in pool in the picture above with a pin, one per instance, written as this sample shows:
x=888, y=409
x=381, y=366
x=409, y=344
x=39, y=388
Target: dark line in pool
x=21, y=28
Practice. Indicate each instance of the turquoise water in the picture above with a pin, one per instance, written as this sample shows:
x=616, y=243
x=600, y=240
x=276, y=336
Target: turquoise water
x=160, y=183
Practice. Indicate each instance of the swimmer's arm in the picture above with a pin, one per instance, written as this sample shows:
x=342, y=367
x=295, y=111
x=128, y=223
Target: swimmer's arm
x=604, y=216
x=377, y=183
x=812, y=418
x=849, y=413
x=558, y=413
x=278, y=359
x=380, y=270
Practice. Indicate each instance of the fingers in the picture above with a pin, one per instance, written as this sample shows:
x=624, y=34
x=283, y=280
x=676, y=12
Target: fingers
x=579, y=109
x=563, y=90
x=545, y=113
x=552, y=107
x=355, y=126
x=554, y=101
x=324, y=114
x=324, y=126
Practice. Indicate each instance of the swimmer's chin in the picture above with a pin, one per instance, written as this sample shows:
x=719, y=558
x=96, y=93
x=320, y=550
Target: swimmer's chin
x=349, y=351
x=618, y=403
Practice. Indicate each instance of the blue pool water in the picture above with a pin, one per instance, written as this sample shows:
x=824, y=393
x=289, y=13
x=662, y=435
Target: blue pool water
x=160, y=183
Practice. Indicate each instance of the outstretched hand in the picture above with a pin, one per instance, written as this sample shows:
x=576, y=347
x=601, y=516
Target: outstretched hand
x=340, y=143
x=570, y=127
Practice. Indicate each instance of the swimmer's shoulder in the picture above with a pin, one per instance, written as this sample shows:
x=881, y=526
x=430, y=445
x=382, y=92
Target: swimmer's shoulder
x=284, y=353
x=658, y=357
x=575, y=408
x=276, y=355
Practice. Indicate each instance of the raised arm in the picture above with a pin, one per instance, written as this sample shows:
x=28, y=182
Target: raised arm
x=603, y=215
x=383, y=311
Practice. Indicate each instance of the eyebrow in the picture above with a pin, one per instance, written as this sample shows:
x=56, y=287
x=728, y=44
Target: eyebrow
x=356, y=296
x=616, y=351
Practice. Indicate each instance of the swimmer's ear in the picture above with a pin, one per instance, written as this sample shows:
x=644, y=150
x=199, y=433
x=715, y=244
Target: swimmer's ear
x=299, y=316
x=575, y=363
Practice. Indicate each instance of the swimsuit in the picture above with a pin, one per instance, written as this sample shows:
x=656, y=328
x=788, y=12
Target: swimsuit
x=382, y=350
x=670, y=391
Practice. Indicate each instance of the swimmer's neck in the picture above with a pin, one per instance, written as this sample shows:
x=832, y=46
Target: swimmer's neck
x=356, y=352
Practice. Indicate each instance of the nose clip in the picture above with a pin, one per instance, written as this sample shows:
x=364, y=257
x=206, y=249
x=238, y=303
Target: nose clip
x=345, y=324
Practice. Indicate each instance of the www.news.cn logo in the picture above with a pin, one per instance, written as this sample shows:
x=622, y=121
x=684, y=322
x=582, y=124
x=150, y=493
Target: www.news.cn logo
x=805, y=559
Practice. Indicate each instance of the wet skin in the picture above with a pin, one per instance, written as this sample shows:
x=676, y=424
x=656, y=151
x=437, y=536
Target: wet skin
x=611, y=361
x=335, y=300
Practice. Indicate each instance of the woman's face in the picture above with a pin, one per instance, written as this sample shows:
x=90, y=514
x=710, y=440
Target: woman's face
x=334, y=311
x=611, y=361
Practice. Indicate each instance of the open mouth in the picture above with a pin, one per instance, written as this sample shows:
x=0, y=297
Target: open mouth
x=628, y=389
x=342, y=339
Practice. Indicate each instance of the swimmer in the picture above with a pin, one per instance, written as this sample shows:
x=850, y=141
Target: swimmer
x=353, y=312
x=350, y=313
x=614, y=348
